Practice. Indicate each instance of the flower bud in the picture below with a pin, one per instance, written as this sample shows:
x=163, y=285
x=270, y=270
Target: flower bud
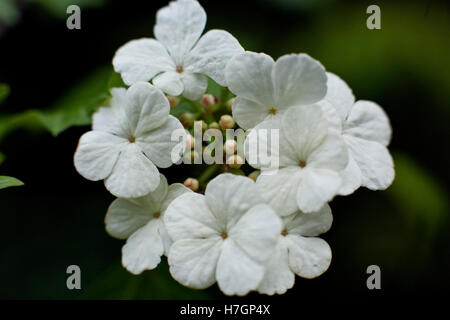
x=191, y=183
x=226, y=122
x=208, y=101
x=173, y=101
x=190, y=156
x=187, y=119
x=229, y=104
x=235, y=161
x=200, y=125
x=189, y=141
x=254, y=175
x=230, y=147
x=214, y=125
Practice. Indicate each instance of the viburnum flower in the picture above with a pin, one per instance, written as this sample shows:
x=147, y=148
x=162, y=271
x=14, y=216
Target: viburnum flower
x=225, y=235
x=310, y=157
x=178, y=58
x=299, y=251
x=129, y=140
x=266, y=89
x=366, y=131
x=140, y=220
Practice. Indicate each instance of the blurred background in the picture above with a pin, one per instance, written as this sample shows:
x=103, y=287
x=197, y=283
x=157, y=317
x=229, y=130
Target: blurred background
x=52, y=79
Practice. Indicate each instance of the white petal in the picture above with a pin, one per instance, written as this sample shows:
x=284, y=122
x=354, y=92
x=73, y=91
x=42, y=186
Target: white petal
x=309, y=225
x=194, y=85
x=179, y=26
x=331, y=154
x=308, y=257
x=229, y=196
x=188, y=217
x=158, y=145
x=317, y=187
x=141, y=60
x=280, y=189
x=299, y=80
x=339, y=95
x=250, y=75
x=193, y=262
x=257, y=232
x=303, y=129
x=374, y=161
x=212, y=53
x=107, y=118
x=368, y=121
x=143, y=249
x=134, y=175
x=351, y=178
x=248, y=113
x=125, y=216
x=169, y=82
x=331, y=114
x=147, y=109
x=96, y=154
x=236, y=272
x=174, y=191
x=278, y=277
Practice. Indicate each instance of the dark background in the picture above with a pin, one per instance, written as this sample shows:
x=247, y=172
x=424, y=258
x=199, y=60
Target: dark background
x=56, y=219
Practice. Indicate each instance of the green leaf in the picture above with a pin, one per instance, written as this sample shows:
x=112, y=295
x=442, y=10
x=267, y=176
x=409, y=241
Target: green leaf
x=4, y=91
x=75, y=108
x=58, y=8
x=6, y=182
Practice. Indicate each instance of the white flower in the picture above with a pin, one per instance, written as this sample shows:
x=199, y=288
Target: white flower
x=366, y=131
x=311, y=158
x=299, y=251
x=226, y=236
x=265, y=88
x=141, y=221
x=129, y=140
x=179, y=57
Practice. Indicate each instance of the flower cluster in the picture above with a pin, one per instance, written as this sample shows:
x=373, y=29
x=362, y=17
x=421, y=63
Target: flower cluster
x=250, y=233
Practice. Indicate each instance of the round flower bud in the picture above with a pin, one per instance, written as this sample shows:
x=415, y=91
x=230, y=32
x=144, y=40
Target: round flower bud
x=229, y=104
x=226, y=122
x=189, y=141
x=191, y=183
x=254, y=175
x=230, y=146
x=173, y=101
x=235, y=161
x=187, y=119
x=190, y=156
x=214, y=125
x=200, y=125
x=208, y=101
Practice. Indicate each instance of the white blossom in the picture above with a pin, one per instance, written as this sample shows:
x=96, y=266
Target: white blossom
x=265, y=89
x=140, y=220
x=310, y=157
x=129, y=140
x=366, y=131
x=298, y=251
x=226, y=235
x=178, y=58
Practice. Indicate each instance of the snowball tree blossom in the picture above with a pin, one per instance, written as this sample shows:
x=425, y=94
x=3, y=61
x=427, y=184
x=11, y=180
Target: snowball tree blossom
x=129, y=140
x=298, y=251
x=266, y=89
x=140, y=220
x=366, y=131
x=178, y=58
x=311, y=158
x=226, y=235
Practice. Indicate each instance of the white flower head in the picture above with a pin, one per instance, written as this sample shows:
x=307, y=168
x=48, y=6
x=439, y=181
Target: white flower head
x=298, y=251
x=226, y=235
x=266, y=89
x=178, y=58
x=366, y=131
x=310, y=157
x=129, y=140
x=140, y=220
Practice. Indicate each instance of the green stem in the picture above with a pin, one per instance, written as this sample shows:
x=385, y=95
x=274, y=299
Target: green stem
x=207, y=174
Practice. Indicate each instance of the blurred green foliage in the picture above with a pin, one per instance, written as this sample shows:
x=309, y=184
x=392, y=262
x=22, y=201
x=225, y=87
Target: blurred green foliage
x=9, y=13
x=4, y=92
x=6, y=182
